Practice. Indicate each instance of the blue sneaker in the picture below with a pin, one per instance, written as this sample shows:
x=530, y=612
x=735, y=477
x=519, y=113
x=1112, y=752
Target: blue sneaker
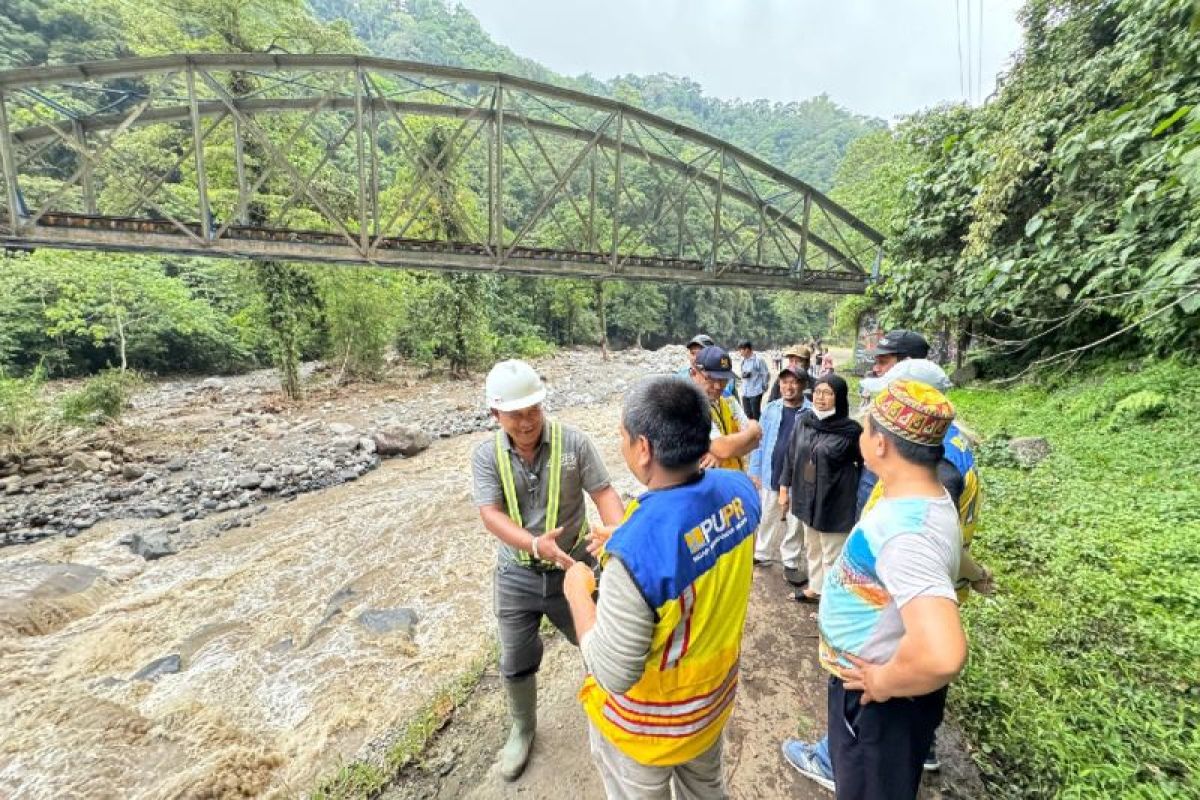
x=810, y=761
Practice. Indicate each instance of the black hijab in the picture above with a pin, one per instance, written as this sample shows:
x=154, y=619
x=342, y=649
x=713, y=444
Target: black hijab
x=839, y=421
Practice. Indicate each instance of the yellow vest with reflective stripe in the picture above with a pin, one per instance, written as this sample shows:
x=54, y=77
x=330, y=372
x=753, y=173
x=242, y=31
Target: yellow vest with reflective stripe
x=695, y=570
x=553, y=493
x=722, y=415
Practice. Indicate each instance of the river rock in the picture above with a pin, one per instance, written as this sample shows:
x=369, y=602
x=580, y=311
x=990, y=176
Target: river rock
x=131, y=472
x=82, y=462
x=344, y=444
x=389, y=620
x=341, y=428
x=167, y=665
x=12, y=484
x=249, y=480
x=1029, y=451
x=103, y=455
x=213, y=383
x=152, y=545
x=269, y=483
x=404, y=440
x=176, y=464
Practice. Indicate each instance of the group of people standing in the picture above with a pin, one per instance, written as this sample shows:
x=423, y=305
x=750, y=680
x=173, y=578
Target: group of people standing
x=728, y=490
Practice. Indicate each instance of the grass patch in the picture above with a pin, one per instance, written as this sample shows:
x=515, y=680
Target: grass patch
x=361, y=779
x=1084, y=680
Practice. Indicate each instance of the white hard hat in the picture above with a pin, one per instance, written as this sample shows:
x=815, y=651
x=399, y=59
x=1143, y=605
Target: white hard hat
x=912, y=369
x=513, y=385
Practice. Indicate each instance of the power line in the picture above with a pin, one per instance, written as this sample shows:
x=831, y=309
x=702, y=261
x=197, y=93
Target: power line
x=969, y=81
x=979, y=58
x=962, y=86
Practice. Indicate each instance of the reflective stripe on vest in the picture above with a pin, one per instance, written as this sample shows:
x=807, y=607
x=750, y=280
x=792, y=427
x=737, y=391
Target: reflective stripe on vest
x=553, y=492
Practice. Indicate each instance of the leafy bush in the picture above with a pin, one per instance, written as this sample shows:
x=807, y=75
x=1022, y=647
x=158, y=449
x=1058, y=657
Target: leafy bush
x=1083, y=674
x=102, y=398
x=995, y=452
x=1138, y=407
x=27, y=421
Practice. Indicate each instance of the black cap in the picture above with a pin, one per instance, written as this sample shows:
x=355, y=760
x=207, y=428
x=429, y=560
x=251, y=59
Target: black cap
x=701, y=340
x=900, y=342
x=746, y=344
x=798, y=374
x=715, y=363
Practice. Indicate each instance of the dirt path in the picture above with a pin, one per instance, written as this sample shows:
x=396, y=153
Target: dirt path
x=782, y=693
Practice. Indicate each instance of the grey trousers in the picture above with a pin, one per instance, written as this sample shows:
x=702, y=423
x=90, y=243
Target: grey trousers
x=626, y=779
x=521, y=597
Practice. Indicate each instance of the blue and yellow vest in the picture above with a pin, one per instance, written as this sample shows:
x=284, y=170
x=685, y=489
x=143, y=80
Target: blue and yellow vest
x=690, y=551
x=958, y=453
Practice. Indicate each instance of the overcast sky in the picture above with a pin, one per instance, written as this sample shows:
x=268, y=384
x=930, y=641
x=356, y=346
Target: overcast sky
x=879, y=57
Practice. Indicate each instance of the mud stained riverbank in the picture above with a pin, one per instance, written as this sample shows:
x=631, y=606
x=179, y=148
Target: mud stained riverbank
x=257, y=674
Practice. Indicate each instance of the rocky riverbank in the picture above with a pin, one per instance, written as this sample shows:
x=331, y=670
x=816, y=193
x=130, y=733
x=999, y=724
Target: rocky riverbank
x=193, y=449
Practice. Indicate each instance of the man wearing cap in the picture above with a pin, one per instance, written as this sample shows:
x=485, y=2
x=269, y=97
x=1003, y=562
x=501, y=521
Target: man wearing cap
x=798, y=358
x=530, y=478
x=890, y=633
x=698, y=343
x=734, y=435
x=755, y=375
x=895, y=346
x=766, y=463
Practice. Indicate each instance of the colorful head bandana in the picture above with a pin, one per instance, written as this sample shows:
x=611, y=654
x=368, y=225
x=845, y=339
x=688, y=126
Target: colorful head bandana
x=914, y=411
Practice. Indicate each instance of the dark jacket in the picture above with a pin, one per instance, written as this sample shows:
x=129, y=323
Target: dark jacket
x=824, y=495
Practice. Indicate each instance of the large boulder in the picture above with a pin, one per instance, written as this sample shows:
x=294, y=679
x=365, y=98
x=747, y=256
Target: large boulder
x=152, y=545
x=82, y=462
x=389, y=620
x=1029, y=451
x=403, y=440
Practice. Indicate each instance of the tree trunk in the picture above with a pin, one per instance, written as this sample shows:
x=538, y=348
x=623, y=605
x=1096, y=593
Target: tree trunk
x=600, y=312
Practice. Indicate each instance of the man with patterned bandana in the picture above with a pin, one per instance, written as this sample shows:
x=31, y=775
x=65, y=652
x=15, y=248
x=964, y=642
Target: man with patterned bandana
x=530, y=478
x=890, y=631
x=662, y=646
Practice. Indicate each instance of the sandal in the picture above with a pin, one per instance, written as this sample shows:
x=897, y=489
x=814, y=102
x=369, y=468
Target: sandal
x=802, y=596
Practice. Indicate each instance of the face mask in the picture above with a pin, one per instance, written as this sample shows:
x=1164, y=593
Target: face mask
x=824, y=414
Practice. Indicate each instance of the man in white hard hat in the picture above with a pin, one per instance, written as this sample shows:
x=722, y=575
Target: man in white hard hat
x=530, y=478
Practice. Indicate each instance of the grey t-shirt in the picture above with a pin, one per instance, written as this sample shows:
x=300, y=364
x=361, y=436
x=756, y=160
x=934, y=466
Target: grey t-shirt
x=582, y=471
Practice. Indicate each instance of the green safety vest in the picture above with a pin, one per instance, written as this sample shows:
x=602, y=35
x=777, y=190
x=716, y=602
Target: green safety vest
x=504, y=464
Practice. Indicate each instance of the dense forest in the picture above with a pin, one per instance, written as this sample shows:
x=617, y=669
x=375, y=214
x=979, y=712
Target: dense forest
x=75, y=313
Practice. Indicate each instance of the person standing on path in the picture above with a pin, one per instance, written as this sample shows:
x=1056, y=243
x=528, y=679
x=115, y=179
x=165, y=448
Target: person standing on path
x=798, y=358
x=662, y=645
x=892, y=348
x=530, y=478
x=734, y=435
x=819, y=479
x=755, y=376
x=766, y=466
x=890, y=633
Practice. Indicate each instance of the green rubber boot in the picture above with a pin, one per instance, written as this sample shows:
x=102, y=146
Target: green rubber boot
x=522, y=706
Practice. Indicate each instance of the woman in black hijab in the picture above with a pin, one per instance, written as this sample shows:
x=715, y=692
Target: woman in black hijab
x=820, y=478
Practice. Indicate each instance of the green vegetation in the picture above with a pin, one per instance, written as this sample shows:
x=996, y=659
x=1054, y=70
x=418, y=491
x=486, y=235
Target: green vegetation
x=1083, y=680
x=1064, y=214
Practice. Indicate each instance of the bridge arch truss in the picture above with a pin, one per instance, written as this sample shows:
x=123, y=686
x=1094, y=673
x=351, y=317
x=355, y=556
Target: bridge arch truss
x=358, y=160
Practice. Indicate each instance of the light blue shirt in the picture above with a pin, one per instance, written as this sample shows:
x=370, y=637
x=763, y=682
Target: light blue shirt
x=760, y=459
x=756, y=383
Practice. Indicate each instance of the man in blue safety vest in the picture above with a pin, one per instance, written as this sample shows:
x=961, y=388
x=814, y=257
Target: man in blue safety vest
x=530, y=478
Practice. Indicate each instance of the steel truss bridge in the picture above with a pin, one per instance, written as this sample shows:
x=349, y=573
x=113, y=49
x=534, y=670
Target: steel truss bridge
x=354, y=160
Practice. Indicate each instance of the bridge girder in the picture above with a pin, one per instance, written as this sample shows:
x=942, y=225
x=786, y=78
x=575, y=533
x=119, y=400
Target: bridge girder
x=417, y=166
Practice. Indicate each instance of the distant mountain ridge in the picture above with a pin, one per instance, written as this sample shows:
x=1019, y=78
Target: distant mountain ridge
x=807, y=138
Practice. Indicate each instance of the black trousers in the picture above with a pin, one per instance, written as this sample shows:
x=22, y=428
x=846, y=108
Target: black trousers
x=877, y=750
x=753, y=406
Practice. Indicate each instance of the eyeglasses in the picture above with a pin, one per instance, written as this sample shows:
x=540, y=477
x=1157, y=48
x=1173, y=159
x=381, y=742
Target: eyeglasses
x=824, y=393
